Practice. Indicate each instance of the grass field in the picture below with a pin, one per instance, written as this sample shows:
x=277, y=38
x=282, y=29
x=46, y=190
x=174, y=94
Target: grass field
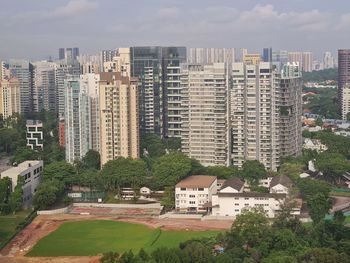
x=87, y=238
x=9, y=223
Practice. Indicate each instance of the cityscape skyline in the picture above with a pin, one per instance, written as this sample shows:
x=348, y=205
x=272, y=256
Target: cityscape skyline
x=276, y=24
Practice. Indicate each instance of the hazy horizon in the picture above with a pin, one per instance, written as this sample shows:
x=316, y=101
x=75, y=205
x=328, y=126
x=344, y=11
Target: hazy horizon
x=35, y=29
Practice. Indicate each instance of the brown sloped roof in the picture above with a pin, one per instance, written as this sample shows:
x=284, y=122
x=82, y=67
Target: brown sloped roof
x=197, y=181
x=233, y=182
x=283, y=180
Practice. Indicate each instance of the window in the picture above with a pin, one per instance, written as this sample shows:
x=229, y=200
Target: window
x=192, y=196
x=183, y=189
x=200, y=189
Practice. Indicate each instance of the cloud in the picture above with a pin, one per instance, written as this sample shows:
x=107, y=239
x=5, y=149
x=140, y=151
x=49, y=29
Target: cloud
x=71, y=9
x=168, y=12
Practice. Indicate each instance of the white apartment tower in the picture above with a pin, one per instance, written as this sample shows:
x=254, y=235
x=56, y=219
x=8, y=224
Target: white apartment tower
x=265, y=109
x=205, y=113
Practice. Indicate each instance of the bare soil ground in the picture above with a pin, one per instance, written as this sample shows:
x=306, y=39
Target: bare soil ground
x=42, y=225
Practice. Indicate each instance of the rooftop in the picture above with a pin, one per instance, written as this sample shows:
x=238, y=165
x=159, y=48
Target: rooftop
x=233, y=182
x=283, y=180
x=20, y=168
x=33, y=122
x=197, y=181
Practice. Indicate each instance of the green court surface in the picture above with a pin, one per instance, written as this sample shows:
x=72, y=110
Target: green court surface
x=85, y=238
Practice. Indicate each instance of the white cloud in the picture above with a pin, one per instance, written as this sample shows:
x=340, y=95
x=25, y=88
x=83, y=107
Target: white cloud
x=71, y=9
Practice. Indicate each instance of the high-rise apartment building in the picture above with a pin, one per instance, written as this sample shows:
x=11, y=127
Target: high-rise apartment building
x=344, y=81
x=23, y=71
x=265, y=110
x=89, y=86
x=205, y=113
x=267, y=54
x=158, y=69
x=44, y=87
x=146, y=64
x=64, y=69
x=304, y=59
x=328, y=60
x=211, y=55
x=307, y=62
x=252, y=59
x=10, y=97
x=68, y=53
x=119, y=117
x=280, y=57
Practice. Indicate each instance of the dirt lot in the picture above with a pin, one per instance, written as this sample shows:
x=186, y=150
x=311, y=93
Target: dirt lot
x=42, y=225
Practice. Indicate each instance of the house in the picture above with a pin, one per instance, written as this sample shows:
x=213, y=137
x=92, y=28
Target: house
x=281, y=185
x=315, y=145
x=193, y=192
x=31, y=171
x=232, y=185
x=233, y=204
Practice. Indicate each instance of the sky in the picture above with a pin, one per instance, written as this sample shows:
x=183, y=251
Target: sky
x=35, y=29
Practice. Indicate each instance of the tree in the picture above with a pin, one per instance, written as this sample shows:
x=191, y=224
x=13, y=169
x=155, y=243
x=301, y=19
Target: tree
x=123, y=172
x=61, y=171
x=319, y=122
x=24, y=153
x=169, y=255
x=253, y=171
x=5, y=191
x=310, y=187
x=250, y=227
x=323, y=255
x=197, y=252
x=197, y=168
x=92, y=160
x=332, y=165
x=339, y=217
x=319, y=206
x=16, y=195
x=153, y=144
x=168, y=201
x=171, y=168
x=109, y=257
x=47, y=193
x=222, y=172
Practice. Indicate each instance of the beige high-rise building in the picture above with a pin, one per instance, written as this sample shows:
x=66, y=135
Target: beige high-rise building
x=304, y=59
x=119, y=116
x=204, y=134
x=307, y=61
x=120, y=63
x=10, y=99
x=251, y=59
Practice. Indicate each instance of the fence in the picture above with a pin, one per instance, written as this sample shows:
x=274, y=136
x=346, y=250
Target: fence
x=144, y=206
x=20, y=227
x=53, y=212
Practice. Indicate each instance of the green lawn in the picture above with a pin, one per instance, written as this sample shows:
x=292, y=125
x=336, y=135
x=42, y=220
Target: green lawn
x=86, y=238
x=8, y=224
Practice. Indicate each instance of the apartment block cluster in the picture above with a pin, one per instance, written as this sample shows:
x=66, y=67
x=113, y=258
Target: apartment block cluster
x=226, y=105
x=229, y=198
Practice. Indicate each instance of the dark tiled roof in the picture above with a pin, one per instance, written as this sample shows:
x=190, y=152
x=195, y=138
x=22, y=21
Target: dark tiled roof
x=283, y=180
x=233, y=182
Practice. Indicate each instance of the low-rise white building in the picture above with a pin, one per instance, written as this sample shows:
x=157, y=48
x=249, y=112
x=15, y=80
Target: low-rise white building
x=233, y=204
x=201, y=194
x=194, y=192
x=31, y=171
